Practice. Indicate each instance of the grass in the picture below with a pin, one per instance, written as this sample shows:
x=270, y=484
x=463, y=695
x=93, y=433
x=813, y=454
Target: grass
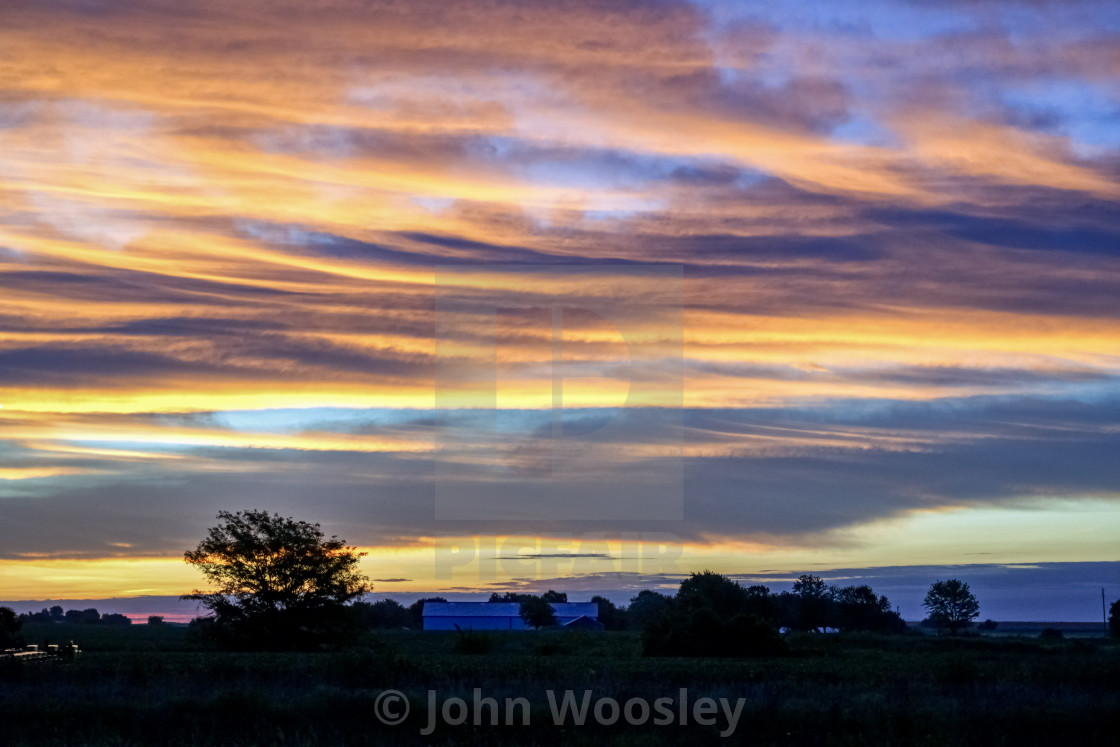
x=150, y=685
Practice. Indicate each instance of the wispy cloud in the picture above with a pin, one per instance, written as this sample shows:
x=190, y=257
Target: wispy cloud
x=895, y=222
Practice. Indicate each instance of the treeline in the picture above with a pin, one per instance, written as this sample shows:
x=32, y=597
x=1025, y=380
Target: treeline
x=11, y=623
x=389, y=614
x=710, y=615
x=87, y=617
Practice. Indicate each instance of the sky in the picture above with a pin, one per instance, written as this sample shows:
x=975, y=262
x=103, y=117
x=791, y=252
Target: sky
x=576, y=294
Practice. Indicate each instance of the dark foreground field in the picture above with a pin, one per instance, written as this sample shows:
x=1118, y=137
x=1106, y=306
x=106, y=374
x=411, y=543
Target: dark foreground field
x=149, y=685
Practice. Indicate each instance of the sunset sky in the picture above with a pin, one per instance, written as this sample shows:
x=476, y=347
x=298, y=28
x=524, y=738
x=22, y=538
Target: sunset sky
x=829, y=286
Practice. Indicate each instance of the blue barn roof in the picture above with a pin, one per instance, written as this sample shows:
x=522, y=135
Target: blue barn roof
x=507, y=609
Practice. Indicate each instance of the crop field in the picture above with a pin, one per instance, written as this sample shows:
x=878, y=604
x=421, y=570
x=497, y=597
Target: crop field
x=153, y=685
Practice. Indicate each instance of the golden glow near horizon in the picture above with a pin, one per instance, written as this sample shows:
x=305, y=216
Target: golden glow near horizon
x=1024, y=534
x=248, y=253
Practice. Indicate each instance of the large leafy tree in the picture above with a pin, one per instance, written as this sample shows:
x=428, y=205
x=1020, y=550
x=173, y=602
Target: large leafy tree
x=537, y=612
x=646, y=607
x=712, y=615
x=813, y=603
x=722, y=595
x=612, y=617
x=951, y=605
x=859, y=608
x=275, y=581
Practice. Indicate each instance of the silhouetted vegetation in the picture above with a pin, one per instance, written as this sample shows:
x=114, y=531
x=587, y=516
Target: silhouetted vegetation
x=612, y=617
x=811, y=604
x=646, y=607
x=472, y=642
x=151, y=685
x=387, y=614
x=702, y=632
x=10, y=623
x=537, y=611
x=514, y=596
x=712, y=615
x=88, y=616
x=1114, y=619
x=416, y=610
x=279, y=583
x=80, y=617
x=951, y=605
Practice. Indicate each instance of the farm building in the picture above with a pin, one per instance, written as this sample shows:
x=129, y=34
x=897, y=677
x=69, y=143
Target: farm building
x=504, y=615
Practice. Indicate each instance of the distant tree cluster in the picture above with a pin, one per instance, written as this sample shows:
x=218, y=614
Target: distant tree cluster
x=712, y=615
x=612, y=617
x=536, y=610
x=10, y=623
x=389, y=614
x=279, y=583
x=550, y=596
x=89, y=616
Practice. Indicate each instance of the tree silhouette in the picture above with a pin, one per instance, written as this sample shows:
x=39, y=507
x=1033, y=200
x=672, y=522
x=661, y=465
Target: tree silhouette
x=646, y=607
x=612, y=617
x=951, y=605
x=537, y=612
x=10, y=624
x=718, y=593
x=88, y=617
x=279, y=583
x=1114, y=619
x=509, y=596
x=859, y=608
x=813, y=602
x=388, y=614
x=711, y=616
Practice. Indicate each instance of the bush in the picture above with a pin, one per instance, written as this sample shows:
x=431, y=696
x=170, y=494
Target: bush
x=1051, y=634
x=384, y=615
x=702, y=633
x=10, y=624
x=470, y=642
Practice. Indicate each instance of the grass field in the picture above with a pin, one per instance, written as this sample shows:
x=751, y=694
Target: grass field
x=151, y=685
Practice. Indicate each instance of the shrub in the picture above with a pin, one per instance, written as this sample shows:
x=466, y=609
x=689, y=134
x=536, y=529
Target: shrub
x=702, y=633
x=470, y=642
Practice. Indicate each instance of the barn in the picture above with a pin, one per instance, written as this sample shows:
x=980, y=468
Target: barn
x=502, y=615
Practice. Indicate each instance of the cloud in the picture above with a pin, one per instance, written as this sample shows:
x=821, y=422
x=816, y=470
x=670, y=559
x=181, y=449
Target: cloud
x=895, y=225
